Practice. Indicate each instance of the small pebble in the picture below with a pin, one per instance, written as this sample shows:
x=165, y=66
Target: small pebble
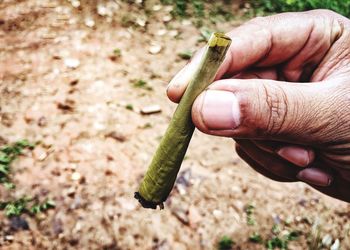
x=76, y=176
x=9, y=237
x=167, y=18
x=39, y=154
x=18, y=223
x=152, y=109
x=173, y=33
x=168, y=8
x=239, y=205
x=89, y=22
x=71, y=63
x=285, y=233
x=161, y=32
x=186, y=22
x=155, y=49
x=157, y=7
x=78, y=226
x=75, y=3
x=102, y=10
x=327, y=240
x=336, y=245
x=217, y=214
x=181, y=189
x=289, y=220
x=141, y=22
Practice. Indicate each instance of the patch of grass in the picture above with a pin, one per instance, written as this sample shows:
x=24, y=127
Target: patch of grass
x=129, y=107
x=225, y=243
x=180, y=8
x=200, y=10
x=142, y=84
x=147, y=125
x=127, y=21
x=117, y=53
x=256, y=238
x=8, y=154
x=42, y=207
x=220, y=13
x=293, y=235
x=198, y=7
x=25, y=205
x=16, y=207
x=277, y=239
x=250, y=215
x=276, y=242
x=281, y=242
x=277, y=6
x=276, y=229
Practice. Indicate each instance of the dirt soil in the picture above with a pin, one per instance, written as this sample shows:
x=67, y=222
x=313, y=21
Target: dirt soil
x=61, y=85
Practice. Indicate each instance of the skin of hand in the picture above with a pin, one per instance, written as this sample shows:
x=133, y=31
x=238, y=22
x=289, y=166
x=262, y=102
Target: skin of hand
x=283, y=93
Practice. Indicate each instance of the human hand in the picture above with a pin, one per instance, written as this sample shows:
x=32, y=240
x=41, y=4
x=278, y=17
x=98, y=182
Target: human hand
x=283, y=93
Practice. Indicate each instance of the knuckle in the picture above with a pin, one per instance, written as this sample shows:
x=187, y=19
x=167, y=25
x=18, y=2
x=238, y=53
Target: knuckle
x=257, y=20
x=277, y=108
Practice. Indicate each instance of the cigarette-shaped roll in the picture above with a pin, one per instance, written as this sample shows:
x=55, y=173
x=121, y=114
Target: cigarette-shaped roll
x=161, y=174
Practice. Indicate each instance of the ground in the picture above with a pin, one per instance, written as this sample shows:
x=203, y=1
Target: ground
x=63, y=86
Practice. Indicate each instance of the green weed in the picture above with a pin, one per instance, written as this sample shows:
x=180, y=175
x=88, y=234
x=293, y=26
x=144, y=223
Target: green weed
x=16, y=207
x=25, y=205
x=277, y=6
x=256, y=238
x=201, y=10
x=8, y=154
x=129, y=107
x=225, y=243
x=250, y=215
x=142, y=84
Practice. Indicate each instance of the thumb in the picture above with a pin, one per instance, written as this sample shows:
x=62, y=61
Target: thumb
x=266, y=109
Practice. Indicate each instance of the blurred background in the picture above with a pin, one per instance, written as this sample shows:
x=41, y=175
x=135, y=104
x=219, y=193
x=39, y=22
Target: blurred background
x=82, y=109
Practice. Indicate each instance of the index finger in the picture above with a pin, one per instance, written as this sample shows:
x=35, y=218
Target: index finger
x=291, y=39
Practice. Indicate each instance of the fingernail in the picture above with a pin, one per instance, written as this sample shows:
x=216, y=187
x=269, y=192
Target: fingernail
x=220, y=110
x=296, y=155
x=315, y=176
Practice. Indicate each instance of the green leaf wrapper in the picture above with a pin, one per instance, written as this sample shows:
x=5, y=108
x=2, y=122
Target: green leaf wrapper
x=161, y=174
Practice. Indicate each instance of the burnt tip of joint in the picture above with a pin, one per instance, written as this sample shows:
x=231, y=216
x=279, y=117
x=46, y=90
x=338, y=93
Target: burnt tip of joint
x=147, y=204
